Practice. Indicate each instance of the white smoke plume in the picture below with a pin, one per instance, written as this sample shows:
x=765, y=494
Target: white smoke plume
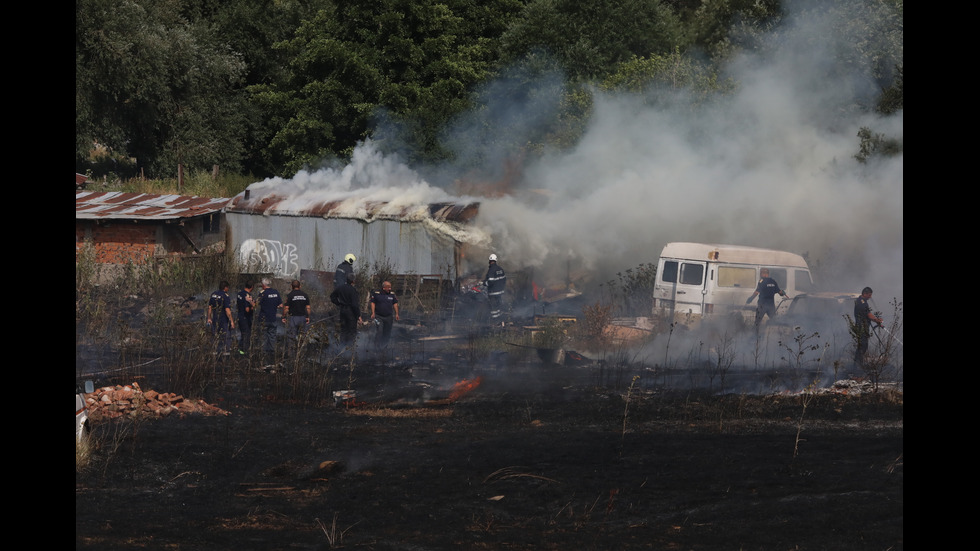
x=770, y=166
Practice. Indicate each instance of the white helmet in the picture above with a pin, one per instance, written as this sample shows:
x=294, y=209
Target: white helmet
x=349, y=259
x=493, y=258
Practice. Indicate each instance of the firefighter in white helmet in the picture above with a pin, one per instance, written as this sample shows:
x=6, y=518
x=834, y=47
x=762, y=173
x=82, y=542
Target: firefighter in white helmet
x=496, y=282
x=344, y=268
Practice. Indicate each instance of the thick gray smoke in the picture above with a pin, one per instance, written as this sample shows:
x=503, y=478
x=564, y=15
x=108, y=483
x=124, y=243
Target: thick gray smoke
x=771, y=165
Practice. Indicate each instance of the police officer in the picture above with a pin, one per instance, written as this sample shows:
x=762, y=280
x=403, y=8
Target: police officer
x=246, y=310
x=384, y=309
x=269, y=304
x=219, y=317
x=766, y=290
x=296, y=315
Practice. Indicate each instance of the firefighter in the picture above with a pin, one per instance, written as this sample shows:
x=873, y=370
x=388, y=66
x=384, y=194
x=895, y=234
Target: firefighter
x=496, y=282
x=343, y=270
x=863, y=318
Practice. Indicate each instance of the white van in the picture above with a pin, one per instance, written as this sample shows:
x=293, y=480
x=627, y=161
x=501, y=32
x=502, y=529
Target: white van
x=699, y=279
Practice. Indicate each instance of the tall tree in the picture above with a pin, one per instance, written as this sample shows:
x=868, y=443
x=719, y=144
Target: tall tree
x=589, y=38
x=352, y=66
x=156, y=86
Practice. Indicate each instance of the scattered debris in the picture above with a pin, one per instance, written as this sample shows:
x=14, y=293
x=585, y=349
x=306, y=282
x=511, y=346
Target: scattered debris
x=854, y=387
x=111, y=402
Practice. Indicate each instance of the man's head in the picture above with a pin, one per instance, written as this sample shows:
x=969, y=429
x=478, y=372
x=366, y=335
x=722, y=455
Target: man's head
x=493, y=258
x=349, y=258
x=295, y=284
x=224, y=285
x=266, y=282
x=386, y=287
x=248, y=286
x=764, y=272
x=866, y=292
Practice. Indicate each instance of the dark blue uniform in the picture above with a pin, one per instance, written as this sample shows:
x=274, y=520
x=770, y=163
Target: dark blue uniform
x=347, y=299
x=297, y=303
x=862, y=326
x=220, y=322
x=269, y=303
x=496, y=282
x=246, y=310
x=340, y=276
x=767, y=289
x=384, y=311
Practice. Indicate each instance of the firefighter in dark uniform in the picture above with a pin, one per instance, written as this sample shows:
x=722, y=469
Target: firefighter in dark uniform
x=863, y=316
x=496, y=282
x=766, y=290
x=347, y=300
x=343, y=270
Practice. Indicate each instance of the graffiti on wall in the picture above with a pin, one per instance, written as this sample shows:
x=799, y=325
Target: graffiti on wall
x=266, y=255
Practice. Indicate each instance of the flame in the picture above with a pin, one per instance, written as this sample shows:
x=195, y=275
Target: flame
x=464, y=387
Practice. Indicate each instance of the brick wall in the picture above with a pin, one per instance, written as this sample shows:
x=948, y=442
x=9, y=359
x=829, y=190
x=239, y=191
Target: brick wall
x=118, y=243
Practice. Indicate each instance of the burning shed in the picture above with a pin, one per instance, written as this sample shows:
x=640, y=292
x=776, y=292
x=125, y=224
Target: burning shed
x=141, y=228
x=282, y=235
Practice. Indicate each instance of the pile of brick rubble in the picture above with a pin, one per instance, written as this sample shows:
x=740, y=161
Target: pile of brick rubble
x=111, y=402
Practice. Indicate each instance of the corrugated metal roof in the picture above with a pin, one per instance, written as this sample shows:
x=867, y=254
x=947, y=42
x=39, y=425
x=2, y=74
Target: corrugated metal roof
x=274, y=204
x=144, y=206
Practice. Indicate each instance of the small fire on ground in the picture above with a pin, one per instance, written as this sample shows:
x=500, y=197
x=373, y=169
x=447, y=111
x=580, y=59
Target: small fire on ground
x=348, y=398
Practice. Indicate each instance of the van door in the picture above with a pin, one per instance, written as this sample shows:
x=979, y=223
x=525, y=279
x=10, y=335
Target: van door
x=680, y=287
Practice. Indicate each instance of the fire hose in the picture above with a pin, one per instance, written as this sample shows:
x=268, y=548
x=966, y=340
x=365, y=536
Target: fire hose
x=882, y=326
x=890, y=334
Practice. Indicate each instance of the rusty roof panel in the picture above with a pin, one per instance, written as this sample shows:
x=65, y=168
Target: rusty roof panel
x=269, y=204
x=145, y=206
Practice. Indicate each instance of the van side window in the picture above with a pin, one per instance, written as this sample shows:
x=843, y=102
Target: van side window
x=803, y=282
x=731, y=276
x=669, y=274
x=779, y=274
x=692, y=274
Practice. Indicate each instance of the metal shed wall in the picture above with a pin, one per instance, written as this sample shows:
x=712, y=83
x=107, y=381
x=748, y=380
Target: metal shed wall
x=284, y=245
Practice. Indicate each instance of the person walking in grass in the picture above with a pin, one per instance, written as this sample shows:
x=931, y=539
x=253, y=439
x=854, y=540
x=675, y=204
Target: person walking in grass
x=296, y=315
x=766, y=290
x=269, y=305
x=384, y=310
x=246, y=311
x=863, y=318
x=219, y=318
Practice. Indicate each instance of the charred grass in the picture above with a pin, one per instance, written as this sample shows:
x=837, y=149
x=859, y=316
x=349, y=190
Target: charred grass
x=556, y=468
x=534, y=457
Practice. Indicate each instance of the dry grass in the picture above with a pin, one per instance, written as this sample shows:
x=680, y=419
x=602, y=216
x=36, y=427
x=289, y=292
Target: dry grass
x=83, y=455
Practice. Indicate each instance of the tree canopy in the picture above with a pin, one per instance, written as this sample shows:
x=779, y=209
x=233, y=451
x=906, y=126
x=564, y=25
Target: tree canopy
x=272, y=86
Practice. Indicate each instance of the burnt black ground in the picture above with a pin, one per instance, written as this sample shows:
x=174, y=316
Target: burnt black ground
x=524, y=461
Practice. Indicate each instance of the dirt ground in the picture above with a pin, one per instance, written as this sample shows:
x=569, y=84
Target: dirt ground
x=534, y=457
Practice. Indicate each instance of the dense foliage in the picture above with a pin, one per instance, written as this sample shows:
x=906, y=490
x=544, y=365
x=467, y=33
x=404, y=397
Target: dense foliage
x=267, y=87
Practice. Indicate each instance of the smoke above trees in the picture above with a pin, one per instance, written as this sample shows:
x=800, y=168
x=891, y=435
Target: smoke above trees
x=770, y=162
